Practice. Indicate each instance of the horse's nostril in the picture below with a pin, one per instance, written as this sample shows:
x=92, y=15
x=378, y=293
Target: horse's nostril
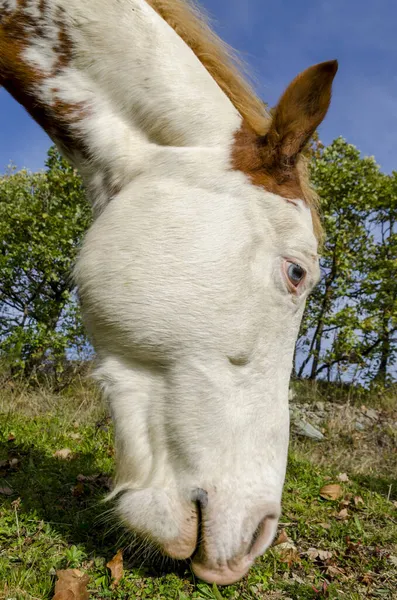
x=256, y=535
x=263, y=535
x=201, y=497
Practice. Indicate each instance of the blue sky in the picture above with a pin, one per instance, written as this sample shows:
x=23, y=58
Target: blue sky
x=278, y=39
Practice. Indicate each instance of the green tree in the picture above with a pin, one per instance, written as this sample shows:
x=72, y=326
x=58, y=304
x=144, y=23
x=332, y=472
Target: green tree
x=43, y=217
x=349, y=324
x=379, y=287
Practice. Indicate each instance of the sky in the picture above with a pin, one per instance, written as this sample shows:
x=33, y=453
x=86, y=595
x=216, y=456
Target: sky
x=278, y=39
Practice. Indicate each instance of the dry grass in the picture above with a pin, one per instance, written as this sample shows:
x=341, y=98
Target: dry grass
x=81, y=398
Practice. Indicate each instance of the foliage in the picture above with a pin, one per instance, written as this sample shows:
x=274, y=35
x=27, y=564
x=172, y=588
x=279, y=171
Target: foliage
x=349, y=332
x=349, y=328
x=42, y=219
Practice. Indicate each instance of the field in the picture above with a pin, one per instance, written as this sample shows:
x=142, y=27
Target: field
x=56, y=458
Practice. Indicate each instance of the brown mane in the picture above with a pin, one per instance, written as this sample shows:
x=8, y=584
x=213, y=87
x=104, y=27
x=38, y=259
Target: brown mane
x=220, y=60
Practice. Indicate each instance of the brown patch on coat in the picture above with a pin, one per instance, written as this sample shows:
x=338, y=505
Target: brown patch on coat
x=275, y=161
x=247, y=157
x=23, y=81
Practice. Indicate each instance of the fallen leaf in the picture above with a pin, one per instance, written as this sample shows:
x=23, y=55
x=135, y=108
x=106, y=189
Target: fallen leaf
x=345, y=502
x=342, y=515
x=325, y=525
x=75, y=436
x=282, y=538
x=331, y=491
x=393, y=560
x=289, y=556
x=88, y=478
x=71, y=585
x=16, y=503
x=314, y=553
x=64, y=454
x=358, y=500
x=342, y=477
x=287, y=552
x=367, y=578
x=13, y=462
x=116, y=568
x=78, y=490
x=333, y=571
x=325, y=554
x=6, y=491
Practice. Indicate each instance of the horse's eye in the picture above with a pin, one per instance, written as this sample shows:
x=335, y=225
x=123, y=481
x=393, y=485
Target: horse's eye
x=295, y=273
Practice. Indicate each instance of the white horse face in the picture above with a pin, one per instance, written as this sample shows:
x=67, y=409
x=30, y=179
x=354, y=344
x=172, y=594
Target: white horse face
x=193, y=282
x=194, y=302
x=194, y=275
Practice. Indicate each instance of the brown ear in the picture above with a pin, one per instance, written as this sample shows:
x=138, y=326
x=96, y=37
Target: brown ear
x=299, y=112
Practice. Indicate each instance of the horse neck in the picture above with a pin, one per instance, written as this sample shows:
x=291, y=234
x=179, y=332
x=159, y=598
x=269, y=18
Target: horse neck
x=109, y=81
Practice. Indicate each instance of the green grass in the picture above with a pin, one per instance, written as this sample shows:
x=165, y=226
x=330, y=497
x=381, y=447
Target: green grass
x=54, y=521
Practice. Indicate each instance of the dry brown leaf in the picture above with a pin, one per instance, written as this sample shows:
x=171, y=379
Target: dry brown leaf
x=342, y=477
x=6, y=491
x=78, y=490
x=116, y=568
x=71, y=585
x=325, y=554
x=282, y=538
x=358, y=500
x=331, y=491
x=16, y=504
x=367, y=578
x=289, y=556
x=64, y=454
x=342, y=515
x=314, y=553
x=333, y=571
x=325, y=525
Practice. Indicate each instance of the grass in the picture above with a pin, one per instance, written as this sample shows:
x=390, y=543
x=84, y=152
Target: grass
x=52, y=518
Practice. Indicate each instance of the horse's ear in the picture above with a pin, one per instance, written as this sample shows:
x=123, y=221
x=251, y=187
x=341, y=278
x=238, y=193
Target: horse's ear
x=299, y=112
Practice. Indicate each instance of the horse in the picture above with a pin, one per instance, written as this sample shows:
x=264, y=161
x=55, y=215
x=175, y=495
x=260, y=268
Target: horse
x=194, y=274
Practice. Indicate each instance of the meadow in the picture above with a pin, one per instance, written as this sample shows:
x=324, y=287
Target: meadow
x=337, y=536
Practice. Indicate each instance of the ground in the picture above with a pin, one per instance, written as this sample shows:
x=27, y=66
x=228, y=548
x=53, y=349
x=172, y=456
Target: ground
x=56, y=459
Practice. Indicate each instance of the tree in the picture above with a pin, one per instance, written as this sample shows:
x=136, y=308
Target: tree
x=355, y=302
x=43, y=217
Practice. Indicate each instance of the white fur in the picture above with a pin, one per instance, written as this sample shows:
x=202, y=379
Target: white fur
x=182, y=283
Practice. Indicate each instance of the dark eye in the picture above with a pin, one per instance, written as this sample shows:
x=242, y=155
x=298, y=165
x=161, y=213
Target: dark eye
x=295, y=273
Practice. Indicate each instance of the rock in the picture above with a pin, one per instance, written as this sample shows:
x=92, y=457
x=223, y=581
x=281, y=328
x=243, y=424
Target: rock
x=307, y=430
x=291, y=394
x=358, y=426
